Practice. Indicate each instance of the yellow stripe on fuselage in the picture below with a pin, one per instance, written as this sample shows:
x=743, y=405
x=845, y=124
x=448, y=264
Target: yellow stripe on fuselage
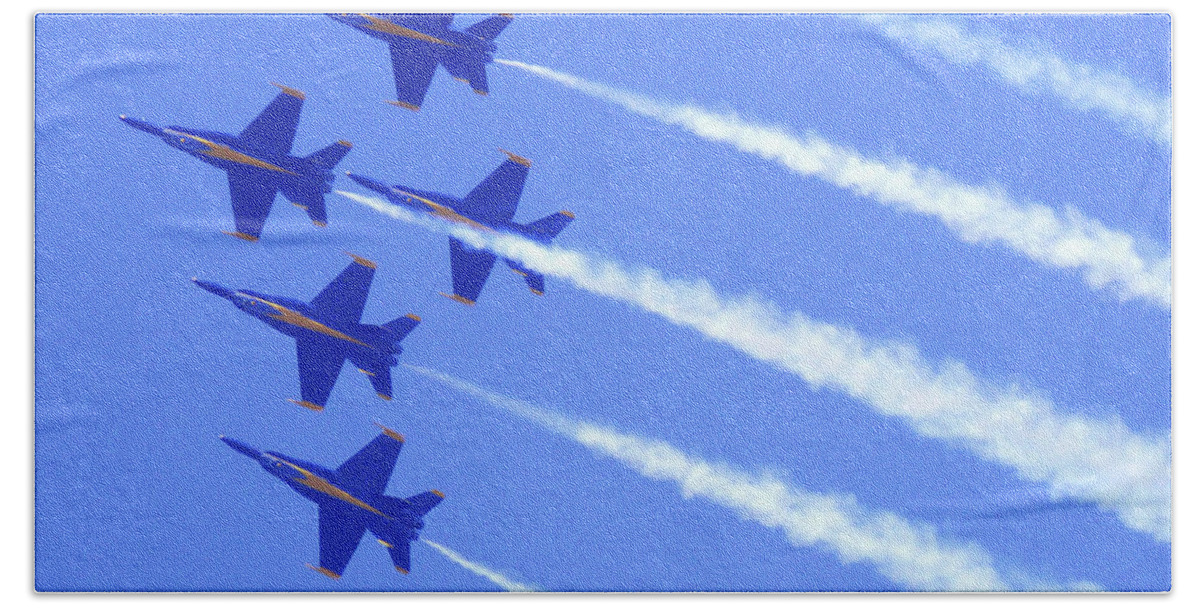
x=323, y=486
x=388, y=27
x=292, y=317
x=447, y=213
x=224, y=152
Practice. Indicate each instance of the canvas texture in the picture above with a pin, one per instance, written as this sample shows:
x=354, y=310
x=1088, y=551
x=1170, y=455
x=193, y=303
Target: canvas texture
x=603, y=302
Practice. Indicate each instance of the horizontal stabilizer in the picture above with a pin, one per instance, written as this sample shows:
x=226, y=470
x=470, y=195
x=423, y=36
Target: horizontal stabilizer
x=490, y=28
x=328, y=157
x=425, y=501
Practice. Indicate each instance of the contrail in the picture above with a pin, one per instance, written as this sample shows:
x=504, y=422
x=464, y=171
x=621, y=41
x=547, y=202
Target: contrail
x=909, y=553
x=1065, y=239
x=1100, y=461
x=1080, y=86
x=483, y=571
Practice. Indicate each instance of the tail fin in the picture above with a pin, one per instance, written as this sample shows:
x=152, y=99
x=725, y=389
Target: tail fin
x=490, y=28
x=549, y=226
x=401, y=326
x=535, y=280
x=328, y=157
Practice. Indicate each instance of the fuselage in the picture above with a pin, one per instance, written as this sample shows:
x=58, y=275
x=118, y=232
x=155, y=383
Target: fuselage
x=452, y=210
x=441, y=40
x=322, y=486
x=227, y=152
x=298, y=319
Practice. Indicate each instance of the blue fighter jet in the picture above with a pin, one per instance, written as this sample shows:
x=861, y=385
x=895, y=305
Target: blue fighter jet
x=489, y=207
x=327, y=331
x=350, y=500
x=259, y=162
x=418, y=43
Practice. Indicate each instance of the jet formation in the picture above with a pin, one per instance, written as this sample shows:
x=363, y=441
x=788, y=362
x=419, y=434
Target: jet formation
x=259, y=162
x=419, y=43
x=490, y=207
x=328, y=331
x=350, y=500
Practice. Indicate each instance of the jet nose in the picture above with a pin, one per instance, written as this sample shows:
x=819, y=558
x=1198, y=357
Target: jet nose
x=222, y=291
x=141, y=125
x=241, y=447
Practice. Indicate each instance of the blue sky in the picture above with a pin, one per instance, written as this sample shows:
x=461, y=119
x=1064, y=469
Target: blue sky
x=138, y=371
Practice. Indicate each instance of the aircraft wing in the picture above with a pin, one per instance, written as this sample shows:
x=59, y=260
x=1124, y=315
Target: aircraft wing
x=413, y=65
x=341, y=531
x=275, y=127
x=252, y=202
x=470, y=269
x=345, y=297
x=470, y=70
x=320, y=363
x=367, y=472
x=495, y=198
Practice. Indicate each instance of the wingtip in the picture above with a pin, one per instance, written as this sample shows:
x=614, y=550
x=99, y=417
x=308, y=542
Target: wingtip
x=342, y=142
x=537, y=292
x=384, y=397
x=242, y=235
x=401, y=570
x=308, y=404
x=439, y=493
x=567, y=213
x=297, y=93
x=391, y=433
x=480, y=92
x=361, y=260
x=507, y=15
x=520, y=160
x=326, y=571
x=406, y=105
x=319, y=223
x=413, y=317
x=457, y=298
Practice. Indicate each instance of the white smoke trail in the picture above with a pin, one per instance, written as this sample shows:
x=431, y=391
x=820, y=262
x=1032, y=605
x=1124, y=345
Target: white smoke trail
x=909, y=553
x=1076, y=456
x=1082, y=87
x=1059, y=239
x=483, y=571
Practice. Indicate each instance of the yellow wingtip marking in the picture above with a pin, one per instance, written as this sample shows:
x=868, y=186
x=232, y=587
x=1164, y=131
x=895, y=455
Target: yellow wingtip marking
x=520, y=160
x=297, y=93
x=401, y=570
x=366, y=372
x=536, y=292
x=384, y=397
x=458, y=298
x=461, y=79
x=345, y=143
x=241, y=235
x=405, y=104
x=439, y=493
x=478, y=92
x=361, y=260
x=507, y=15
x=413, y=317
x=568, y=214
x=384, y=543
x=305, y=207
x=319, y=223
x=519, y=272
x=308, y=404
x=391, y=433
x=326, y=571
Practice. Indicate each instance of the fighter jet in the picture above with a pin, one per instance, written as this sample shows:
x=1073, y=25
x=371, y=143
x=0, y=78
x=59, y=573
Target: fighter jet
x=350, y=500
x=259, y=162
x=419, y=42
x=327, y=331
x=489, y=207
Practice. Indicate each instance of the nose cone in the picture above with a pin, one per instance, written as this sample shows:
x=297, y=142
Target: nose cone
x=241, y=447
x=220, y=290
x=142, y=125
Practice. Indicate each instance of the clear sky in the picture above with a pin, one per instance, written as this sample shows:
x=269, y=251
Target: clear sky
x=137, y=371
